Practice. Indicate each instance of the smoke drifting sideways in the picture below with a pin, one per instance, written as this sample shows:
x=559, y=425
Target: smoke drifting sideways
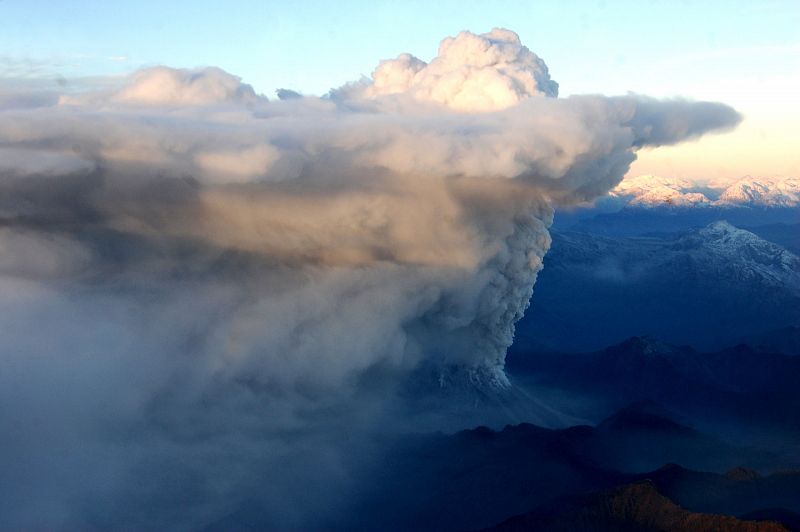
x=201, y=286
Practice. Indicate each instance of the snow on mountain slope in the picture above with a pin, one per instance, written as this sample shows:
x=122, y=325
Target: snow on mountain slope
x=763, y=192
x=705, y=288
x=650, y=191
x=748, y=254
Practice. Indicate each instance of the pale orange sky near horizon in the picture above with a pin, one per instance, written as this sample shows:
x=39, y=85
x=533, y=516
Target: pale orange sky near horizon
x=753, y=149
x=765, y=89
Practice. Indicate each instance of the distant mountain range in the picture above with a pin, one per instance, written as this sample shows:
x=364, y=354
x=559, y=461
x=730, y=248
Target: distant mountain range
x=706, y=287
x=478, y=478
x=783, y=223
x=655, y=191
x=723, y=416
x=740, y=392
x=645, y=205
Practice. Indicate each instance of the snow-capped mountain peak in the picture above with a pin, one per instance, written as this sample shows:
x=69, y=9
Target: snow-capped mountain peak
x=763, y=192
x=650, y=191
x=666, y=196
x=722, y=230
x=745, y=248
x=653, y=191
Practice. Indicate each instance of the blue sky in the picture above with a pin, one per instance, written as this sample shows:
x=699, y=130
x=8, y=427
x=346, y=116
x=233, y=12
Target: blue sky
x=744, y=53
x=311, y=46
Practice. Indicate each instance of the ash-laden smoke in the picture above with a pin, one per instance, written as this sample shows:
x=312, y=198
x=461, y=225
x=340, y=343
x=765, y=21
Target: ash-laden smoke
x=201, y=286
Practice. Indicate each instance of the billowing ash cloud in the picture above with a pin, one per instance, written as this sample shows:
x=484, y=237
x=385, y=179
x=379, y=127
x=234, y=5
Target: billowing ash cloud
x=190, y=270
x=162, y=86
x=471, y=73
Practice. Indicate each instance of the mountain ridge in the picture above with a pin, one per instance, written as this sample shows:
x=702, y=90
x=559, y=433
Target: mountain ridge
x=649, y=191
x=703, y=287
x=637, y=506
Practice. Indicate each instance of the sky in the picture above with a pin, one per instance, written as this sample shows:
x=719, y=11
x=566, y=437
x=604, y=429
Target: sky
x=746, y=54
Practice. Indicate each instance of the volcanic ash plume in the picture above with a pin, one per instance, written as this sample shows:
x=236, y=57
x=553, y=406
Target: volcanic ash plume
x=196, y=255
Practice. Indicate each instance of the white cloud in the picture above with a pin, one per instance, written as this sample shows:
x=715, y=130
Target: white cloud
x=471, y=73
x=164, y=86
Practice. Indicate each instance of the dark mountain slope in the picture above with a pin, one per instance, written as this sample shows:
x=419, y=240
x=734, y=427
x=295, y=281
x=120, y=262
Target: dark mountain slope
x=705, y=288
x=634, y=507
x=783, y=234
x=478, y=477
x=737, y=386
x=738, y=492
x=638, y=221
